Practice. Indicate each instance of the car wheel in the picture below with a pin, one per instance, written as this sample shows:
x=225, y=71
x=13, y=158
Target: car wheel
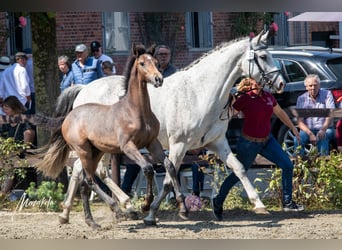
x=286, y=139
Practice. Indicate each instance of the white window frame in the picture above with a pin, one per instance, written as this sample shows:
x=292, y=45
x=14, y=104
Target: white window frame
x=116, y=32
x=199, y=31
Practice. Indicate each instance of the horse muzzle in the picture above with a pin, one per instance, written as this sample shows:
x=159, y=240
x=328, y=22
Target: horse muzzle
x=157, y=81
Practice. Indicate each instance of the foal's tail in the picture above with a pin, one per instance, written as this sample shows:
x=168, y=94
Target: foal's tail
x=66, y=100
x=56, y=156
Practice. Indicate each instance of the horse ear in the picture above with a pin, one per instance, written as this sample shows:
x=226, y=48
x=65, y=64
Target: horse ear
x=152, y=49
x=138, y=50
x=134, y=50
x=261, y=39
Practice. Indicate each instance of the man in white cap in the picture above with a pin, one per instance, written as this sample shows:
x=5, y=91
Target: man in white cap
x=85, y=69
x=15, y=81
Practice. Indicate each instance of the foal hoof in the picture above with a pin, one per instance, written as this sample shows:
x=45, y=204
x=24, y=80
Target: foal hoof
x=63, y=220
x=184, y=215
x=93, y=225
x=131, y=214
x=261, y=210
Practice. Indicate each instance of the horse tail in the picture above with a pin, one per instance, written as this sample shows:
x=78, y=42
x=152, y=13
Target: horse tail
x=65, y=100
x=56, y=156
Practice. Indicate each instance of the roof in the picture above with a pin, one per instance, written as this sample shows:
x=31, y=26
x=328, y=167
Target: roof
x=317, y=17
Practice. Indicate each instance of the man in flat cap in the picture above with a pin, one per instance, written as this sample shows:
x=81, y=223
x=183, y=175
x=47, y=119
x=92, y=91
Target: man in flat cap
x=85, y=69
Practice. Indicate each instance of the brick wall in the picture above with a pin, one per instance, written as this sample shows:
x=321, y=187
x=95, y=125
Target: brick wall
x=3, y=25
x=79, y=27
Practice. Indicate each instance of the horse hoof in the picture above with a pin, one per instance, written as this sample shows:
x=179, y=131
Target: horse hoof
x=93, y=225
x=150, y=222
x=183, y=215
x=63, y=220
x=132, y=215
x=261, y=210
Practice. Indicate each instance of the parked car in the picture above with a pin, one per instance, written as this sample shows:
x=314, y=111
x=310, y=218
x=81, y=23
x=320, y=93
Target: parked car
x=295, y=63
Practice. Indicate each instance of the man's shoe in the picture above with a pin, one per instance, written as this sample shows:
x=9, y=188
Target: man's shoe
x=292, y=207
x=217, y=210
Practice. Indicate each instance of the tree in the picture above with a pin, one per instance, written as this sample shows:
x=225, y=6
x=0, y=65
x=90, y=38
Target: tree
x=44, y=47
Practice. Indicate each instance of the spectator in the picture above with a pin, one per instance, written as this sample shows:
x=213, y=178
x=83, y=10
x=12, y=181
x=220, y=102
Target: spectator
x=23, y=132
x=108, y=68
x=64, y=66
x=5, y=62
x=97, y=52
x=85, y=69
x=192, y=160
x=29, y=69
x=15, y=81
x=163, y=55
x=338, y=132
x=257, y=107
x=316, y=130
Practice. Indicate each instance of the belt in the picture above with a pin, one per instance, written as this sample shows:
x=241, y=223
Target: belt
x=254, y=139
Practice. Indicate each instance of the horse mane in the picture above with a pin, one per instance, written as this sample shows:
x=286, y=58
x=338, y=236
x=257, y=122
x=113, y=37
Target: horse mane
x=137, y=50
x=140, y=49
x=218, y=47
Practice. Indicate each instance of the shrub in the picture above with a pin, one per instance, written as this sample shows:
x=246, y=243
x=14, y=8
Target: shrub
x=317, y=181
x=11, y=165
x=48, y=191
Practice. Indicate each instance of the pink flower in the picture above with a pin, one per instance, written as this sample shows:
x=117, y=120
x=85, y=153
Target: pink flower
x=274, y=26
x=251, y=34
x=22, y=21
x=286, y=13
x=193, y=203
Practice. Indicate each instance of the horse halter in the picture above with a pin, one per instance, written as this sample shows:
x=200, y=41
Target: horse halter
x=265, y=79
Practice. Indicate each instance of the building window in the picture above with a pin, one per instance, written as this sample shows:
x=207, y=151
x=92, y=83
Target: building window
x=199, y=29
x=116, y=35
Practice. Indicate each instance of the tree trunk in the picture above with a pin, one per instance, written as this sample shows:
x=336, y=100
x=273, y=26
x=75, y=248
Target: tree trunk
x=44, y=46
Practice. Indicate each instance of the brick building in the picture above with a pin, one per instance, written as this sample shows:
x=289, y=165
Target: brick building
x=189, y=34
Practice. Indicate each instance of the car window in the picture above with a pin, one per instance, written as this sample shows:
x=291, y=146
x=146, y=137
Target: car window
x=294, y=71
x=336, y=67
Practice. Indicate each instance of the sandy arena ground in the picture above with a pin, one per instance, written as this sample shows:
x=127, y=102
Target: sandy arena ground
x=237, y=224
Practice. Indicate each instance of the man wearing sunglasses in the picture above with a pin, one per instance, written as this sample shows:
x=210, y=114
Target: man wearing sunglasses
x=97, y=53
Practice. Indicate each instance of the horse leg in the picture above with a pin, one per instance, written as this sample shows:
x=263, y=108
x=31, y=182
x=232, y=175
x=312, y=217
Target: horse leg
x=150, y=219
x=76, y=177
x=170, y=178
x=134, y=154
x=115, y=161
x=183, y=211
x=85, y=192
x=102, y=171
x=224, y=152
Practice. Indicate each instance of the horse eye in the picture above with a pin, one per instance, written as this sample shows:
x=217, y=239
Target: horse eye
x=263, y=57
x=142, y=63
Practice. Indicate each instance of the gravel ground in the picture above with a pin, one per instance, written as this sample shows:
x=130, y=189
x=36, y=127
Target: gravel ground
x=237, y=224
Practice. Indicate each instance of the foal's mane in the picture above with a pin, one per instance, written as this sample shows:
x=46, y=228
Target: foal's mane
x=137, y=50
x=218, y=47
